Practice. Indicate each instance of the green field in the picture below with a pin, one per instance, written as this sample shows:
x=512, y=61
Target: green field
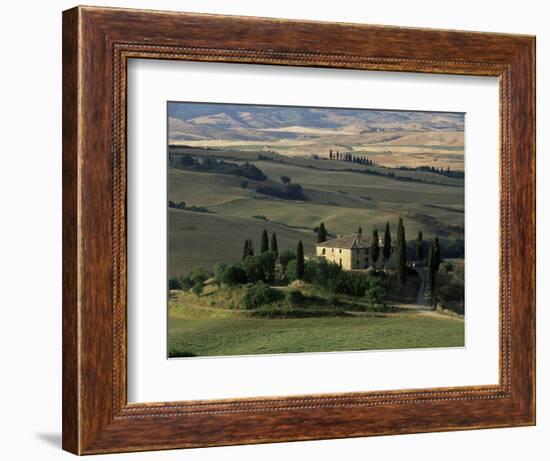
x=234, y=336
x=215, y=323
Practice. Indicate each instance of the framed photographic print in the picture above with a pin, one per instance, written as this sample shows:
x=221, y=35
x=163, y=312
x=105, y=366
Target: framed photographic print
x=282, y=230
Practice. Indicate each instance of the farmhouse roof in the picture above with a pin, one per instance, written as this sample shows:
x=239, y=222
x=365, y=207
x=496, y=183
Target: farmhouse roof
x=350, y=241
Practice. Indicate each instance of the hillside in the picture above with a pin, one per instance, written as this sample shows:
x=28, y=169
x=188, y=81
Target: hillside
x=336, y=193
x=393, y=138
x=253, y=122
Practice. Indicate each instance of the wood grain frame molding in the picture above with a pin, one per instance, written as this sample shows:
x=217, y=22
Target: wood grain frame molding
x=97, y=44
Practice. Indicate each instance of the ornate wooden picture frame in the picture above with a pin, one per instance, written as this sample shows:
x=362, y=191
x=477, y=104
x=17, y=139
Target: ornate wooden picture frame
x=97, y=44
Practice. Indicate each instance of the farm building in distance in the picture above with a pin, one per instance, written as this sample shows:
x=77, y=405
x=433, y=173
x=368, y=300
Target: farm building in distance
x=353, y=252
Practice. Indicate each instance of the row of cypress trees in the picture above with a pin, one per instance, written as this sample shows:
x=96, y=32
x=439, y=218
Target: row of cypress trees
x=267, y=244
x=434, y=258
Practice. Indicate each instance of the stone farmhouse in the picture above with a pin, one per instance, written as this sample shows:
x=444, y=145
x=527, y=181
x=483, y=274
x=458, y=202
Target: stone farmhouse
x=353, y=252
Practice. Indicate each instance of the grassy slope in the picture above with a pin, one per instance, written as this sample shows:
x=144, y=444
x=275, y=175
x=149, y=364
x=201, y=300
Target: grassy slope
x=204, y=239
x=213, y=324
x=343, y=200
x=232, y=336
x=325, y=164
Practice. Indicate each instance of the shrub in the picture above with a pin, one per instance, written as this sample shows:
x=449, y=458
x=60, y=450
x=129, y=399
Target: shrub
x=449, y=267
x=290, y=271
x=234, y=275
x=281, y=313
x=257, y=295
x=243, y=183
x=199, y=274
x=334, y=300
x=197, y=288
x=295, y=297
x=186, y=282
x=454, y=291
x=347, y=283
x=376, y=296
x=260, y=267
x=174, y=283
x=219, y=271
x=285, y=257
x=324, y=271
x=268, y=260
x=310, y=270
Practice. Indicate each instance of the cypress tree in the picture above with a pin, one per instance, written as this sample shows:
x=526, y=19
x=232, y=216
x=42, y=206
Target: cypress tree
x=401, y=254
x=248, y=249
x=274, y=247
x=300, y=261
x=437, y=254
x=432, y=269
x=374, y=247
x=387, y=244
x=321, y=233
x=264, y=244
x=359, y=230
x=419, y=247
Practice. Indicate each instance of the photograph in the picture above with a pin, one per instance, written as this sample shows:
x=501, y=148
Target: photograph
x=313, y=229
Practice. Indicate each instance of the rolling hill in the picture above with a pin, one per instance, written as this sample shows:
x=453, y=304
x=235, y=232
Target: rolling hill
x=393, y=138
x=342, y=198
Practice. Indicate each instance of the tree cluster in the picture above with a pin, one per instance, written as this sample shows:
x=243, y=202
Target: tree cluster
x=348, y=157
x=211, y=164
x=286, y=192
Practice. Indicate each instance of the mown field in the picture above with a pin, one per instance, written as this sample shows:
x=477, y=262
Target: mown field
x=235, y=336
x=215, y=323
x=336, y=192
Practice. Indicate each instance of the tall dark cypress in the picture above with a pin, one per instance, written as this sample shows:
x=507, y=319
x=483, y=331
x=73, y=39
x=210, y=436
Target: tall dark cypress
x=419, y=248
x=300, y=261
x=401, y=254
x=274, y=247
x=437, y=254
x=321, y=233
x=264, y=243
x=374, y=247
x=386, y=251
x=432, y=270
x=248, y=248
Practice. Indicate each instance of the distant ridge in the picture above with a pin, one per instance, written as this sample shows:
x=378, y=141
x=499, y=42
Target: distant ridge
x=202, y=121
